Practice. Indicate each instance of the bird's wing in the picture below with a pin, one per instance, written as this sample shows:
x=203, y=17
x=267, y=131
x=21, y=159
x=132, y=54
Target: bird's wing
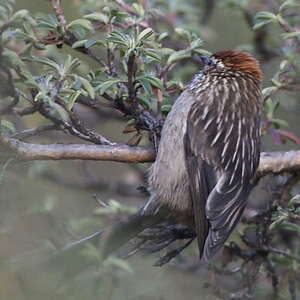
x=199, y=190
x=222, y=154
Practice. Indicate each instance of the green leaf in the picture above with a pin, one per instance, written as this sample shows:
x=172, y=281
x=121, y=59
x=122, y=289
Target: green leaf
x=166, y=108
x=196, y=43
x=46, y=26
x=260, y=24
x=146, y=33
x=153, y=53
x=146, y=85
x=270, y=108
x=72, y=99
x=280, y=123
x=59, y=110
x=144, y=101
x=265, y=15
x=86, y=24
x=277, y=222
x=263, y=18
x=295, y=200
x=93, y=41
x=152, y=80
x=7, y=126
x=165, y=51
x=29, y=79
x=80, y=28
x=91, y=252
x=19, y=15
x=283, y=64
x=183, y=33
x=70, y=65
x=87, y=43
x=291, y=226
x=97, y=17
x=276, y=82
x=162, y=36
x=12, y=58
x=88, y=87
x=43, y=60
x=104, y=86
x=291, y=35
x=287, y=4
x=267, y=92
x=179, y=55
x=39, y=46
x=119, y=263
x=79, y=44
x=119, y=38
x=114, y=207
x=138, y=9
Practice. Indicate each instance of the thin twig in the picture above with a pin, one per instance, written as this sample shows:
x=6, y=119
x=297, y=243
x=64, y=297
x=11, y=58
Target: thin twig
x=59, y=12
x=21, y=135
x=281, y=252
x=131, y=69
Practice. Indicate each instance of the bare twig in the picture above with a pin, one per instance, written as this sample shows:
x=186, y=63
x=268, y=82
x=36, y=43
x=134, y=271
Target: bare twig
x=131, y=69
x=282, y=252
x=92, y=135
x=33, y=131
x=75, y=127
x=59, y=12
x=25, y=111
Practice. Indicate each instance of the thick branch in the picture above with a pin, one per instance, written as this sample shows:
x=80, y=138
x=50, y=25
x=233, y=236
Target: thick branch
x=278, y=162
x=271, y=162
x=118, y=153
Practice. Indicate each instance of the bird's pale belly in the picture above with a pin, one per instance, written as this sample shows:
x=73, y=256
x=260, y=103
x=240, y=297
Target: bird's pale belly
x=167, y=176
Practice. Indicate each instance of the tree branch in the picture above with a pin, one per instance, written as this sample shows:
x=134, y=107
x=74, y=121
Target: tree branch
x=278, y=162
x=118, y=153
x=270, y=162
x=33, y=131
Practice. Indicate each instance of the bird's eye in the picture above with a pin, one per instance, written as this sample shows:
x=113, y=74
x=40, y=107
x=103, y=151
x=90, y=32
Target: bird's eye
x=210, y=62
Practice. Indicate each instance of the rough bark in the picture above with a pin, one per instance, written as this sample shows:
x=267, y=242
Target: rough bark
x=270, y=162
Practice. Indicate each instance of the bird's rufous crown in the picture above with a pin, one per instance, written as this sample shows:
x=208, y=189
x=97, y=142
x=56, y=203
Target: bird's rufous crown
x=240, y=61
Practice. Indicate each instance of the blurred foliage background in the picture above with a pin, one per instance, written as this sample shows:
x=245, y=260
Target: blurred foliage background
x=94, y=69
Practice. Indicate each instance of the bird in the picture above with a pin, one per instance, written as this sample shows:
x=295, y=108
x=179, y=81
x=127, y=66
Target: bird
x=206, y=160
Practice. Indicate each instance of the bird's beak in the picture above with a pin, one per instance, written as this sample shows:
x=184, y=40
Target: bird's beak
x=205, y=60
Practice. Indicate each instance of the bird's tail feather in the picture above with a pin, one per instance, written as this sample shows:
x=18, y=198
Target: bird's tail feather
x=120, y=233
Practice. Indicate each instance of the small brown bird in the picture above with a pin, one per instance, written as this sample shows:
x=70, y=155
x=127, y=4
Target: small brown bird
x=207, y=157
